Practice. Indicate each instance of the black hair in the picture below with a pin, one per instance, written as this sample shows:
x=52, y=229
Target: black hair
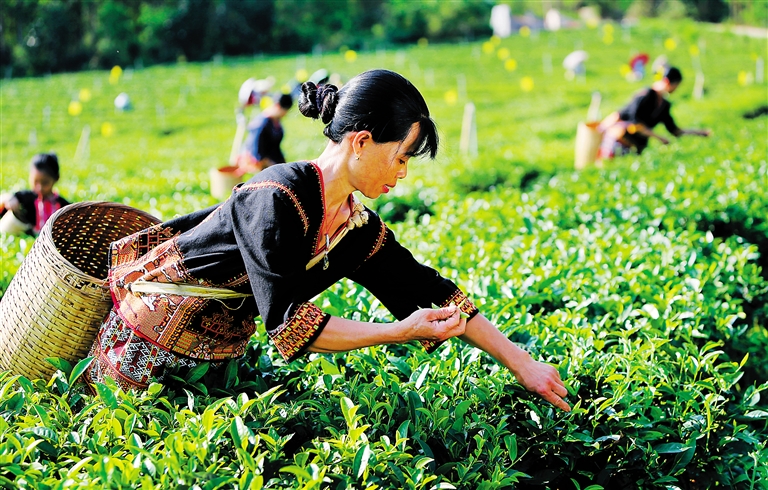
x=380, y=101
x=286, y=101
x=47, y=163
x=673, y=75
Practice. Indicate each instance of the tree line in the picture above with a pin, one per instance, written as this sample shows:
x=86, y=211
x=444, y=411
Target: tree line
x=46, y=36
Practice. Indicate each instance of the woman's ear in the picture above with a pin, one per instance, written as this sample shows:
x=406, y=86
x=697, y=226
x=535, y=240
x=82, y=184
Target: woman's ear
x=360, y=139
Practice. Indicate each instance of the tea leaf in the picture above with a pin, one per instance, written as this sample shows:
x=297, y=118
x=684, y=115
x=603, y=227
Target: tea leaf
x=197, y=372
x=107, y=395
x=61, y=364
x=361, y=460
x=79, y=369
x=671, y=448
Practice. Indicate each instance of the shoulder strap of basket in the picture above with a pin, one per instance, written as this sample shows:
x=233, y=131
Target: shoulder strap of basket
x=180, y=289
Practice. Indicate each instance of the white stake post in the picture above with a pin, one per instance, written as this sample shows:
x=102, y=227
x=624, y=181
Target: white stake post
x=160, y=113
x=415, y=69
x=468, y=144
x=593, y=113
x=182, y=97
x=429, y=77
x=759, y=70
x=241, y=125
x=698, y=86
x=83, y=146
x=461, y=86
x=696, y=63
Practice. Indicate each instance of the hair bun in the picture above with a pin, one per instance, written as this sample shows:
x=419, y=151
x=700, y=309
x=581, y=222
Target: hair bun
x=318, y=102
x=327, y=98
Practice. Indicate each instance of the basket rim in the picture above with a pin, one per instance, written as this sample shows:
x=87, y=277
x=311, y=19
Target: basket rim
x=47, y=230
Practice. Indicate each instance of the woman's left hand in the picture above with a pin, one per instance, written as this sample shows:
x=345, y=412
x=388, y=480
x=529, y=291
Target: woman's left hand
x=544, y=380
x=535, y=376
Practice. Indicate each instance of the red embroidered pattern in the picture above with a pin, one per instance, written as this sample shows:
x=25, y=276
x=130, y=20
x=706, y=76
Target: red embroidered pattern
x=467, y=307
x=127, y=358
x=294, y=335
x=316, y=246
x=192, y=326
x=134, y=246
x=380, y=240
x=459, y=297
x=286, y=190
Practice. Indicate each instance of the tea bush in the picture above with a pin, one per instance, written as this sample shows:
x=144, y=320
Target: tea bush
x=643, y=282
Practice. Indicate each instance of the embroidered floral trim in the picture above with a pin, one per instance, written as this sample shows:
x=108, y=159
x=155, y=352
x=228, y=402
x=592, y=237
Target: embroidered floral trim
x=457, y=298
x=430, y=345
x=300, y=330
x=284, y=189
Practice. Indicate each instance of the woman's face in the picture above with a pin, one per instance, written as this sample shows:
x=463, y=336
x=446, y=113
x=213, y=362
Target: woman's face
x=40, y=182
x=381, y=165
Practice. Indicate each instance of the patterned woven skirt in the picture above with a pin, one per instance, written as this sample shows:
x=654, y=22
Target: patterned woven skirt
x=127, y=358
x=613, y=143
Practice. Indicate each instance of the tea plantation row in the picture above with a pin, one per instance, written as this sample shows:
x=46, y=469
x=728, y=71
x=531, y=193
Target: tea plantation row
x=658, y=326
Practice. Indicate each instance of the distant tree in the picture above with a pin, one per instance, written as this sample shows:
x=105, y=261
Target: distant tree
x=199, y=29
x=616, y=9
x=753, y=12
x=703, y=10
x=117, y=38
x=15, y=21
x=300, y=25
x=461, y=19
x=42, y=36
x=406, y=21
x=46, y=36
x=157, y=23
x=244, y=27
x=708, y=10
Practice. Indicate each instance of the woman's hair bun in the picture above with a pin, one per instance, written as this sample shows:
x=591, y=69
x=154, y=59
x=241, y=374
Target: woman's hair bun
x=318, y=101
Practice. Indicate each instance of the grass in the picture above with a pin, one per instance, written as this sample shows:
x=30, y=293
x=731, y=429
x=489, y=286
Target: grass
x=643, y=282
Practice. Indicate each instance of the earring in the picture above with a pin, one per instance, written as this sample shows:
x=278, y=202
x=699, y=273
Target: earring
x=357, y=157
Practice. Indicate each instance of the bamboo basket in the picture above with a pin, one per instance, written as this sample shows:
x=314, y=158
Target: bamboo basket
x=57, y=300
x=223, y=180
x=588, y=139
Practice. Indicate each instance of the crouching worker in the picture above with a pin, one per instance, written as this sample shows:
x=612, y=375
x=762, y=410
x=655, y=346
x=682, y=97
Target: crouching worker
x=187, y=291
x=632, y=126
x=261, y=148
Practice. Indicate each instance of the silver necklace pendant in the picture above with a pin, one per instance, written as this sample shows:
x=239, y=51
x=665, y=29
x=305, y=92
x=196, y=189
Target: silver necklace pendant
x=326, y=262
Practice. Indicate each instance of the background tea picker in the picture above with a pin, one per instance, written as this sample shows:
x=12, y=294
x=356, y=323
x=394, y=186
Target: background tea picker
x=26, y=211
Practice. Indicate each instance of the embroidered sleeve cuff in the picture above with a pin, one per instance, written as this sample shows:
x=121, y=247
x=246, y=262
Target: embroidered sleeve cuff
x=294, y=336
x=467, y=307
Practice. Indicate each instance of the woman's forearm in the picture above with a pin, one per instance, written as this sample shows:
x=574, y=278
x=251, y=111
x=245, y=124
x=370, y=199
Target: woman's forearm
x=341, y=335
x=483, y=334
x=695, y=132
x=535, y=376
x=647, y=132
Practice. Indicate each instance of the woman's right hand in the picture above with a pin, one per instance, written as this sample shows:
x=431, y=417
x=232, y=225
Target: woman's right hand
x=433, y=324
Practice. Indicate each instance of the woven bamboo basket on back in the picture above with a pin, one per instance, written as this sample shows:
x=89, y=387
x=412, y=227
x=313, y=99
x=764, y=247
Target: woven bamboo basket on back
x=57, y=300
